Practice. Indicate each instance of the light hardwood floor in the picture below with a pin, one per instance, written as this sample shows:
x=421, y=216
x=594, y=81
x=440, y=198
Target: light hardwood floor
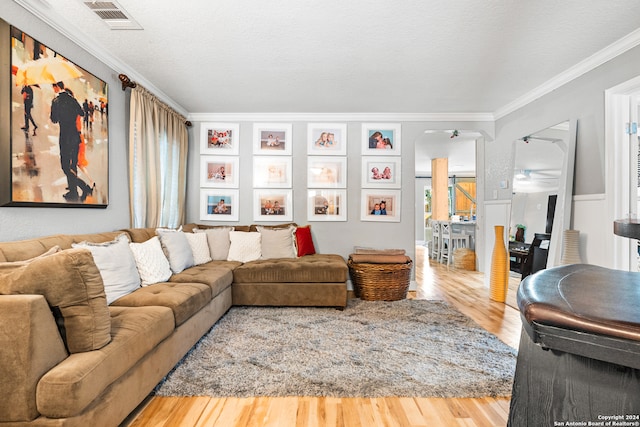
x=463, y=289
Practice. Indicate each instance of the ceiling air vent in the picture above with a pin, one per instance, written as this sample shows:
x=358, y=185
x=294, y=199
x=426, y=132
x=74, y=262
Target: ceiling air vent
x=112, y=14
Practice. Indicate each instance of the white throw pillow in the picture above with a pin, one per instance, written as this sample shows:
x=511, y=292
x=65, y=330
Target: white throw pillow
x=176, y=248
x=245, y=246
x=218, y=240
x=277, y=242
x=116, y=264
x=152, y=264
x=199, y=247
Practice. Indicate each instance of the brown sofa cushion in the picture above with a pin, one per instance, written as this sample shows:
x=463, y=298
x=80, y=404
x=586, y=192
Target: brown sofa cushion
x=68, y=388
x=30, y=346
x=184, y=299
x=24, y=249
x=217, y=275
x=72, y=285
x=316, y=268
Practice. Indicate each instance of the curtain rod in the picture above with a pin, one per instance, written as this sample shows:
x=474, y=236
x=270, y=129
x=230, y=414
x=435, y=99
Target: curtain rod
x=127, y=83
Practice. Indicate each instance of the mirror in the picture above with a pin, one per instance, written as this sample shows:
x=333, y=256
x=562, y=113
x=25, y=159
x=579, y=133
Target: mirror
x=542, y=186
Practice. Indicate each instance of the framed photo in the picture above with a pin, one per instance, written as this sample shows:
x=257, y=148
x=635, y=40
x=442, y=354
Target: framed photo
x=272, y=139
x=381, y=139
x=381, y=172
x=219, y=205
x=380, y=205
x=326, y=172
x=272, y=205
x=55, y=145
x=327, y=139
x=326, y=205
x=220, y=139
x=271, y=172
x=219, y=171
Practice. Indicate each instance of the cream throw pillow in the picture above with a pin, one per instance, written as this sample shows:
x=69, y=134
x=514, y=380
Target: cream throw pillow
x=277, y=242
x=116, y=264
x=151, y=262
x=218, y=240
x=177, y=249
x=199, y=247
x=245, y=246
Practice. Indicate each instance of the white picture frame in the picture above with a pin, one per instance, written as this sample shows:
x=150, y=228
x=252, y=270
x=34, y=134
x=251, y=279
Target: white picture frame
x=381, y=172
x=220, y=139
x=326, y=172
x=219, y=171
x=374, y=136
x=372, y=197
x=273, y=205
x=272, y=172
x=273, y=139
x=213, y=198
x=326, y=205
x=327, y=139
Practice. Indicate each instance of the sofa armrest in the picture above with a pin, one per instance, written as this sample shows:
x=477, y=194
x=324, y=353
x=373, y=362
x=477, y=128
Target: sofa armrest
x=30, y=345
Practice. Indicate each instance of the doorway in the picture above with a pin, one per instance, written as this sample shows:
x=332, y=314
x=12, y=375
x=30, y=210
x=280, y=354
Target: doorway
x=622, y=104
x=463, y=150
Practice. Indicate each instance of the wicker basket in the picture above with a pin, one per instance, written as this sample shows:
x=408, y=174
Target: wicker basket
x=380, y=282
x=464, y=259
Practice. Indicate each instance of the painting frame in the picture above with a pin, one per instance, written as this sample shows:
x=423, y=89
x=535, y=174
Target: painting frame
x=327, y=204
x=272, y=172
x=211, y=198
x=326, y=172
x=265, y=200
x=272, y=139
x=327, y=139
x=46, y=166
x=211, y=174
x=381, y=172
x=371, y=197
x=371, y=142
x=226, y=145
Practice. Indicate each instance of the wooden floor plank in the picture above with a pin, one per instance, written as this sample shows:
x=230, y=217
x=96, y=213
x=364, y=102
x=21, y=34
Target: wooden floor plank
x=465, y=290
x=187, y=411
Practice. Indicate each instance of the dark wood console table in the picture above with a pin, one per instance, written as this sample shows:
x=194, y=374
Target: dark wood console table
x=518, y=251
x=627, y=228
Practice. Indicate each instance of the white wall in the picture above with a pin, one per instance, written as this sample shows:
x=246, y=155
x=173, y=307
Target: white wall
x=580, y=100
x=329, y=237
x=589, y=217
x=21, y=223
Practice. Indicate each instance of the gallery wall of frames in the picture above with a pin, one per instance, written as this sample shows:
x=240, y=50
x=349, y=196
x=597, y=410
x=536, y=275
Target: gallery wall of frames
x=326, y=166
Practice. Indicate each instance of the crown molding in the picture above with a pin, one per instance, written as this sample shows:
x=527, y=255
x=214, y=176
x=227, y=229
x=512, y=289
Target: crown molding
x=615, y=49
x=43, y=10
x=342, y=117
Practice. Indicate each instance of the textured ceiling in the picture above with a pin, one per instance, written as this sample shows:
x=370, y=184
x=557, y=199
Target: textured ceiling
x=336, y=56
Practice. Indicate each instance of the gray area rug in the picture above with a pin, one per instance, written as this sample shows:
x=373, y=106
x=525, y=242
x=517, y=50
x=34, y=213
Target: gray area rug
x=413, y=348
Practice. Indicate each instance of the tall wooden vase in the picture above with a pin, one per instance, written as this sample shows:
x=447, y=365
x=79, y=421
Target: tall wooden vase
x=499, y=267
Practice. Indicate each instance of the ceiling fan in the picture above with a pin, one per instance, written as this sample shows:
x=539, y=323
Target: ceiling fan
x=528, y=138
x=454, y=133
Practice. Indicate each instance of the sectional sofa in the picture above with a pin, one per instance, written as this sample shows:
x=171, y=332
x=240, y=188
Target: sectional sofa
x=85, y=337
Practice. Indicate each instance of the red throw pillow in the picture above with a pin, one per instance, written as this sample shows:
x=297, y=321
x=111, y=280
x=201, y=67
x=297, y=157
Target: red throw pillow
x=304, y=241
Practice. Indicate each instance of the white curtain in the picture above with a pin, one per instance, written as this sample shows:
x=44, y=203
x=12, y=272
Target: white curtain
x=158, y=144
